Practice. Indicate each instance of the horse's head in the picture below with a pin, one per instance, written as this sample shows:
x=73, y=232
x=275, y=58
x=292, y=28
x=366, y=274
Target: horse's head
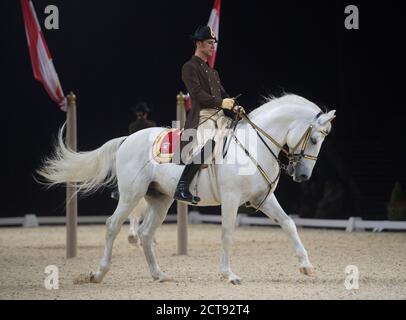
x=304, y=140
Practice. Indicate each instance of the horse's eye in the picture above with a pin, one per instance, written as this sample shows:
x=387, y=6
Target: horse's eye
x=313, y=140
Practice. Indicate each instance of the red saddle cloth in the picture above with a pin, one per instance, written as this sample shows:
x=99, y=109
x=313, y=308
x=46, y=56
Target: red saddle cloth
x=170, y=141
x=166, y=144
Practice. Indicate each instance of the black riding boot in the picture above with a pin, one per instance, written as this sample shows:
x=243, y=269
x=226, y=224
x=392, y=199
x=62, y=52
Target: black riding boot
x=182, y=192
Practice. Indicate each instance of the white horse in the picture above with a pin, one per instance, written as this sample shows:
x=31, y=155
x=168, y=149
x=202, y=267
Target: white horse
x=289, y=120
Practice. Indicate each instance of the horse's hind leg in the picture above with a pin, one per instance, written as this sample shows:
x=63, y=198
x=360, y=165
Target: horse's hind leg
x=113, y=224
x=273, y=210
x=155, y=215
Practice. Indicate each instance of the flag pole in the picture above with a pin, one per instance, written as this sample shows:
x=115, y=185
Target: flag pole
x=71, y=197
x=44, y=72
x=182, y=208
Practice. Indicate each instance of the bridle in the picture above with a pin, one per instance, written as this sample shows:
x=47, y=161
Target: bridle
x=293, y=156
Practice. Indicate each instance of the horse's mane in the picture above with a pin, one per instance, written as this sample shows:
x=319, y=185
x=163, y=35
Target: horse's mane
x=273, y=102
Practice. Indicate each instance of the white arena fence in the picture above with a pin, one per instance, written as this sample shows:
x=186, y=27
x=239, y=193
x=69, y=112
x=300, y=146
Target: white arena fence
x=350, y=225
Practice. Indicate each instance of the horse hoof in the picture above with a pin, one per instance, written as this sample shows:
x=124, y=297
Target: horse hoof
x=165, y=279
x=308, y=271
x=93, y=279
x=235, y=281
x=162, y=278
x=133, y=240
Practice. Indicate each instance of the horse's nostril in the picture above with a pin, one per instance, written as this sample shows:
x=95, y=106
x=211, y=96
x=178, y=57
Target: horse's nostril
x=304, y=177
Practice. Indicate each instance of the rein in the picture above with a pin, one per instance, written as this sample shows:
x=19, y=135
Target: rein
x=262, y=171
x=209, y=118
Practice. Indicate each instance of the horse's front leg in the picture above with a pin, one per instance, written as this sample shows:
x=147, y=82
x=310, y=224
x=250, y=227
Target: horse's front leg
x=229, y=209
x=274, y=211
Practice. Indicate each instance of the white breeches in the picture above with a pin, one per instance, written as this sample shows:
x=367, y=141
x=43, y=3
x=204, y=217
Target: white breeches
x=213, y=127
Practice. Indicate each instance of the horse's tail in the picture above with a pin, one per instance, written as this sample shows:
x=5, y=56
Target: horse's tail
x=90, y=170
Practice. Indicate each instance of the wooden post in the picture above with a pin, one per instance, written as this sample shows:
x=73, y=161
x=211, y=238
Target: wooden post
x=71, y=198
x=182, y=208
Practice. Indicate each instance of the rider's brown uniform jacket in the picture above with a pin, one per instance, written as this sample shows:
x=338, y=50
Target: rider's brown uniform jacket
x=204, y=86
x=205, y=89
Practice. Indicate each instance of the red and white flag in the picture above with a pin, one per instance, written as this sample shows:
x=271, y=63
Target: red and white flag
x=214, y=22
x=42, y=66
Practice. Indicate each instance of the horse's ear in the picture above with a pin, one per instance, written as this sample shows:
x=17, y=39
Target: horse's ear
x=327, y=117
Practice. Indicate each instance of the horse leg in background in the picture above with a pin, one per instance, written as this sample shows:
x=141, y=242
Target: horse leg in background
x=113, y=224
x=229, y=209
x=273, y=210
x=135, y=217
x=132, y=232
x=138, y=214
x=157, y=209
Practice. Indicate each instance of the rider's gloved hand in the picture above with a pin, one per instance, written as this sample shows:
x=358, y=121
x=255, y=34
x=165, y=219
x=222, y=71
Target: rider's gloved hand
x=239, y=109
x=228, y=103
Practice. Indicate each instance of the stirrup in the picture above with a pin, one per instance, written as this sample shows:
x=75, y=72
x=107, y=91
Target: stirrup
x=192, y=200
x=195, y=200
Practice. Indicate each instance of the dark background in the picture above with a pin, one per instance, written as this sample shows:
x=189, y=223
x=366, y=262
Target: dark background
x=114, y=53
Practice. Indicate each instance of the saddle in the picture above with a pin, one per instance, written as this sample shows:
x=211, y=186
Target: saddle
x=168, y=141
x=165, y=145
x=163, y=149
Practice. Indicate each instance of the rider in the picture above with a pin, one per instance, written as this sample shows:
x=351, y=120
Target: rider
x=208, y=99
x=141, y=111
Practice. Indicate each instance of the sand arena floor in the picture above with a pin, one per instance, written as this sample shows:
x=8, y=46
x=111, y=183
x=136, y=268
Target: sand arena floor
x=262, y=256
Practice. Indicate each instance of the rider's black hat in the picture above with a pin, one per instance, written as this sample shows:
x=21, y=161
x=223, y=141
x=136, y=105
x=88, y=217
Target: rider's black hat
x=203, y=33
x=141, y=107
